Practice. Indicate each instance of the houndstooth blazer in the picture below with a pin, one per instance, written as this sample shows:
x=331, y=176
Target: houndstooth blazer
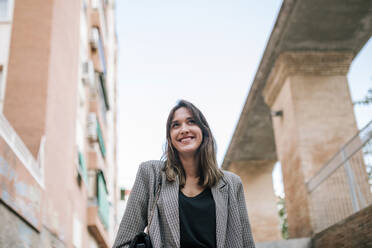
x=232, y=225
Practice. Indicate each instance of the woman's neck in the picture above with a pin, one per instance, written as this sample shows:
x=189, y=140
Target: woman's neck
x=190, y=165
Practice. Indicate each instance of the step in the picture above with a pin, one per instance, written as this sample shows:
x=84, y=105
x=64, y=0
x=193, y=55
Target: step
x=288, y=243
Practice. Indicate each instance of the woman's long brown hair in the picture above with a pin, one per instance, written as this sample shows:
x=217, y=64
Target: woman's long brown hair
x=209, y=173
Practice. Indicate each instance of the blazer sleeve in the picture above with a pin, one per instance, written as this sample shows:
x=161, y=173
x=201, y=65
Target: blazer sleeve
x=248, y=241
x=135, y=215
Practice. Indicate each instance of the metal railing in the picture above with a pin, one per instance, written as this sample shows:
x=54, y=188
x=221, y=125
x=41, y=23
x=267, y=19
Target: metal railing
x=343, y=185
x=35, y=167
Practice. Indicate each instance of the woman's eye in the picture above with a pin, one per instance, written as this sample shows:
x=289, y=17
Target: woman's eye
x=174, y=125
x=192, y=121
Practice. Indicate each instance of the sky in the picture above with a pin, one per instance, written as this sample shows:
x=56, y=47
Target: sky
x=206, y=52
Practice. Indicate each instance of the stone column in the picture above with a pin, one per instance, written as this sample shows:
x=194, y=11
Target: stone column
x=317, y=119
x=260, y=198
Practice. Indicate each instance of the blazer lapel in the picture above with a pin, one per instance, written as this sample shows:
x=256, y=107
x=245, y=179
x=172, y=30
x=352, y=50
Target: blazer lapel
x=220, y=196
x=169, y=197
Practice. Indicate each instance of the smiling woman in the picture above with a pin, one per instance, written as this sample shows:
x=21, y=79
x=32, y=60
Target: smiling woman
x=186, y=136
x=191, y=148
x=186, y=200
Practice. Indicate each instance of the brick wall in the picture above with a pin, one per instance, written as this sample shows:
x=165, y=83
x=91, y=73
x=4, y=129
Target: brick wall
x=354, y=232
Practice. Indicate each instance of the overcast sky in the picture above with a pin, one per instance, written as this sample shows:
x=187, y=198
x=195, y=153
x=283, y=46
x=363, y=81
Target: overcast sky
x=203, y=51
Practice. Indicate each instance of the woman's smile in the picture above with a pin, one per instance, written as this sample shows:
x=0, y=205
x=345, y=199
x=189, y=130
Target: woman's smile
x=186, y=140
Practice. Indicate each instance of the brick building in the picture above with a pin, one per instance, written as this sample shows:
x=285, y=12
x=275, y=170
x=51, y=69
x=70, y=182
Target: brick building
x=57, y=123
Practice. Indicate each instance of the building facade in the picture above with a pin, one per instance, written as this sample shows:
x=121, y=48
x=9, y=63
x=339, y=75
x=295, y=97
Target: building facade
x=58, y=110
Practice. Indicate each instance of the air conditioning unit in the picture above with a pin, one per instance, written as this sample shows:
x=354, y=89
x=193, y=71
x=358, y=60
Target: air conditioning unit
x=88, y=73
x=94, y=38
x=92, y=127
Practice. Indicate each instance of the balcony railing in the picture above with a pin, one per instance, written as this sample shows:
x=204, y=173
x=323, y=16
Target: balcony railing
x=343, y=186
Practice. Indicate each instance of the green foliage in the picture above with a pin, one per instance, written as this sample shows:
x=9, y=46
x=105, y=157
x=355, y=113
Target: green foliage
x=283, y=217
x=367, y=99
x=367, y=153
x=369, y=172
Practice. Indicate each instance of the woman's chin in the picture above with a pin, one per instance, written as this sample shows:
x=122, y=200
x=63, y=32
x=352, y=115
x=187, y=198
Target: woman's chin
x=187, y=152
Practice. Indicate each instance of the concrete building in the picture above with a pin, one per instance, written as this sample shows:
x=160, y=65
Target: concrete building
x=58, y=123
x=299, y=112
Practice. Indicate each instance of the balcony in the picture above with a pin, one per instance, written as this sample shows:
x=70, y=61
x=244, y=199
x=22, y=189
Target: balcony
x=98, y=16
x=98, y=210
x=102, y=199
x=95, y=133
x=99, y=94
x=98, y=50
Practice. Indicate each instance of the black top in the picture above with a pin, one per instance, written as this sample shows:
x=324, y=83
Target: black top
x=197, y=220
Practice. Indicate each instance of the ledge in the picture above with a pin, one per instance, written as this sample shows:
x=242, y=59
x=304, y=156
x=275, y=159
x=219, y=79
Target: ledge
x=95, y=227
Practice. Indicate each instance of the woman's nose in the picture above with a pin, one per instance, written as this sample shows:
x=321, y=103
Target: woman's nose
x=184, y=128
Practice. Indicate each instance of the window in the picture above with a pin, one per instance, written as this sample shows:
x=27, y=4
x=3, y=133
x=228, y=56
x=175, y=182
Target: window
x=101, y=54
x=5, y=10
x=85, y=5
x=102, y=199
x=103, y=101
x=1, y=83
x=103, y=90
x=82, y=169
x=100, y=140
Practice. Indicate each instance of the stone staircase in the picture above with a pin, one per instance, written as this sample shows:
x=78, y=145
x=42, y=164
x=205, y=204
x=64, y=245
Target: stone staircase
x=289, y=243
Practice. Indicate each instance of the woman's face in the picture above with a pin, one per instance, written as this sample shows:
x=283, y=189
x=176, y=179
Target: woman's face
x=186, y=135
